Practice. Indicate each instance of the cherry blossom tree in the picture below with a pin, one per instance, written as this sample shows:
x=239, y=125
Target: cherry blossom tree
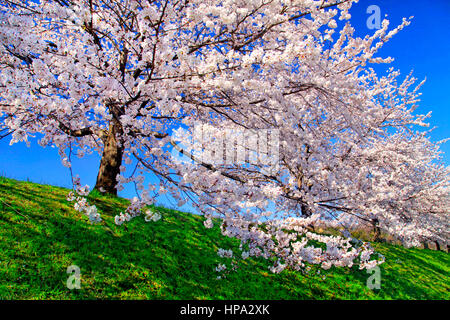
x=133, y=80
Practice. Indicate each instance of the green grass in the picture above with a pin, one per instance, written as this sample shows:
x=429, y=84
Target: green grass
x=174, y=258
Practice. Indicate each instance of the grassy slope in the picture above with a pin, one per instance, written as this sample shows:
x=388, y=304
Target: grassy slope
x=174, y=258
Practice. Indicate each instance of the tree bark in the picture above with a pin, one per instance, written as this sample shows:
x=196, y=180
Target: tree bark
x=111, y=160
x=438, y=245
x=306, y=211
x=376, y=230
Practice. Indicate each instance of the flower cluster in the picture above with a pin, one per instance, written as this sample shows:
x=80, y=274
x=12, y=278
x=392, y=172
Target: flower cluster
x=208, y=223
x=297, y=247
x=134, y=210
x=152, y=216
x=121, y=218
x=81, y=204
x=223, y=253
x=221, y=267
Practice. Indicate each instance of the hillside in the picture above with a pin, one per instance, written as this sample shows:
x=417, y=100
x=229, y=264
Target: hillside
x=173, y=258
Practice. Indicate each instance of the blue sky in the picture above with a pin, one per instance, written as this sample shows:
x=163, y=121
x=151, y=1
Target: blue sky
x=423, y=47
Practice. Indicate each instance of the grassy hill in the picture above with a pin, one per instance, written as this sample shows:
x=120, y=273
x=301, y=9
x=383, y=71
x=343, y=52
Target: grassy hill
x=174, y=258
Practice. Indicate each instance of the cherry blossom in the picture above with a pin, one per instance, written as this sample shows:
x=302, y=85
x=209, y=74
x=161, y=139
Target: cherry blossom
x=132, y=80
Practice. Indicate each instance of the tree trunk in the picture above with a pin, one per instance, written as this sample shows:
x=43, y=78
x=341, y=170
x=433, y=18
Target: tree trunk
x=306, y=211
x=438, y=245
x=376, y=230
x=111, y=160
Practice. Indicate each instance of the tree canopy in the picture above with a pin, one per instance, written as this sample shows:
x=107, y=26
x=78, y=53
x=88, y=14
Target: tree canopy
x=322, y=137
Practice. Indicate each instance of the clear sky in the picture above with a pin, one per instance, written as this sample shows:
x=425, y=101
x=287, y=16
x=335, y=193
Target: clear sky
x=423, y=47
